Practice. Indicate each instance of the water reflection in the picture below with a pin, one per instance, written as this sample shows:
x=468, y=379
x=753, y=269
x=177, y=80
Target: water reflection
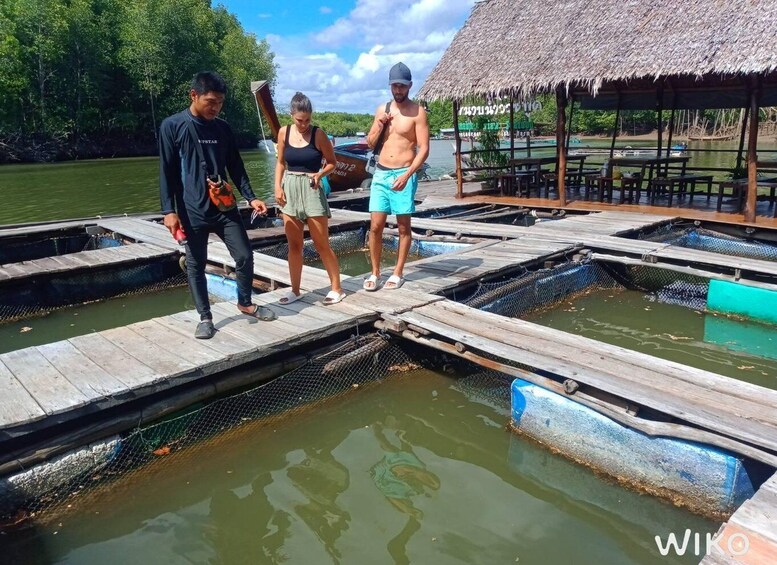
x=321, y=479
x=269, y=527
x=400, y=476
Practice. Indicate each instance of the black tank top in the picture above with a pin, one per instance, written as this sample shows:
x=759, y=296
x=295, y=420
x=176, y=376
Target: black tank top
x=305, y=159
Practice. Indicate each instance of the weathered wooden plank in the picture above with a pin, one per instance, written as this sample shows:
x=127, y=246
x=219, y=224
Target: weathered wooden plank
x=762, y=401
x=50, y=389
x=262, y=334
x=91, y=379
x=81, y=260
x=163, y=362
x=16, y=404
x=195, y=351
x=668, y=397
x=186, y=322
x=759, y=515
x=114, y=360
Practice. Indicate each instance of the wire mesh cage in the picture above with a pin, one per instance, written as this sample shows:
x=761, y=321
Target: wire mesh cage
x=694, y=237
x=53, y=488
x=543, y=289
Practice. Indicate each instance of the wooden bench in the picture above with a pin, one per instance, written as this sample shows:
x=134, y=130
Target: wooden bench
x=518, y=183
x=681, y=182
x=739, y=189
x=606, y=186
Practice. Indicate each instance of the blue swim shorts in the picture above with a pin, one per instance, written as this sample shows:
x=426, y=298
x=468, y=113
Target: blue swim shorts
x=397, y=202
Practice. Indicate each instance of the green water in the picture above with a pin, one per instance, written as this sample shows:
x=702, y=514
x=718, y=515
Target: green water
x=416, y=469
x=81, y=189
x=630, y=319
x=94, y=317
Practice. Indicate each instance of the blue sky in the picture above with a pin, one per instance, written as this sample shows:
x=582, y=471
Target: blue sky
x=338, y=52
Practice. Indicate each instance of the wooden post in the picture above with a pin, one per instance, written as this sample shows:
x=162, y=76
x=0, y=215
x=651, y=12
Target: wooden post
x=671, y=131
x=561, y=154
x=512, y=128
x=752, y=159
x=457, y=137
x=742, y=136
x=569, y=122
x=660, y=118
x=615, y=129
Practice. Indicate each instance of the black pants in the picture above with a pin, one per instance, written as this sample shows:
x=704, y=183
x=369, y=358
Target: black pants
x=233, y=234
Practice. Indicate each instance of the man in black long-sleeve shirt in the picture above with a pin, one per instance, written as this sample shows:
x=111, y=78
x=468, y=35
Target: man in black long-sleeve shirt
x=184, y=185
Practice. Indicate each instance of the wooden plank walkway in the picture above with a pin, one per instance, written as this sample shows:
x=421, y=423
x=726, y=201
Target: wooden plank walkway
x=736, y=409
x=50, y=384
x=750, y=535
x=266, y=267
x=82, y=260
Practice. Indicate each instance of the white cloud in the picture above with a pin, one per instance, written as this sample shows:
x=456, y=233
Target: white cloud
x=325, y=10
x=345, y=66
x=263, y=16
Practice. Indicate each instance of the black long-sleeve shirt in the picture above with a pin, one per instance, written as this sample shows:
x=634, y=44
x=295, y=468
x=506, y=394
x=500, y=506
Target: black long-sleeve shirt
x=182, y=184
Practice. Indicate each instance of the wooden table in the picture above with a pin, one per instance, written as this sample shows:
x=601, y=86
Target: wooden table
x=650, y=167
x=536, y=163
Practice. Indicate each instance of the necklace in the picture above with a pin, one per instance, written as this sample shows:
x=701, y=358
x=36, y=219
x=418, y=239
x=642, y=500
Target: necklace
x=301, y=135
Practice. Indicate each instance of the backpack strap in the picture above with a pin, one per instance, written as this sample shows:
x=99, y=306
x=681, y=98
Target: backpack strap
x=381, y=141
x=288, y=131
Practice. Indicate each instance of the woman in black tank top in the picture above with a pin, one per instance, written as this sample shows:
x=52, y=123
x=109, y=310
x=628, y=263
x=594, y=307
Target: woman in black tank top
x=302, y=149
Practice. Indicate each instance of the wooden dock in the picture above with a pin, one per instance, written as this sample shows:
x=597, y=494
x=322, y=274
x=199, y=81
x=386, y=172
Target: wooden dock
x=749, y=537
x=44, y=387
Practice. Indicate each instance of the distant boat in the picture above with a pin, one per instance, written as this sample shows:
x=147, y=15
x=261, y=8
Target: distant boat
x=361, y=134
x=678, y=149
x=351, y=169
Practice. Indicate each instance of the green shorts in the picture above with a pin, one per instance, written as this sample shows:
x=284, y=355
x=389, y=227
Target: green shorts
x=303, y=202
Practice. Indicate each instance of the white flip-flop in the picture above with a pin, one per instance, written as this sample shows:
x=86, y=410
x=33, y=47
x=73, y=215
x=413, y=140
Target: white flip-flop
x=289, y=297
x=371, y=283
x=395, y=281
x=333, y=297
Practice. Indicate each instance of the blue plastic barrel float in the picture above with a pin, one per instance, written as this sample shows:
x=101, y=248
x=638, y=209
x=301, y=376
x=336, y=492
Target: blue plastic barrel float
x=703, y=478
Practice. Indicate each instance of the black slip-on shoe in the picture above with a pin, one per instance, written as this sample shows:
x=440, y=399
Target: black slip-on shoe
x=205, y=330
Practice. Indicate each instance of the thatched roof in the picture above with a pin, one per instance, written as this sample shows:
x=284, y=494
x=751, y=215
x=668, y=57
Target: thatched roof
x=524, y=47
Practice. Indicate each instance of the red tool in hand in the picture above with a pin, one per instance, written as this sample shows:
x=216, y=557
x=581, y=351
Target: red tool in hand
x=180, y=236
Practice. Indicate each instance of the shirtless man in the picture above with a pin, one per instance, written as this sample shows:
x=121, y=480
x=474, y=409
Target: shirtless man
x=405, y=148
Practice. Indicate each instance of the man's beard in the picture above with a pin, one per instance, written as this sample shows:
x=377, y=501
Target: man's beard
x=399, y=98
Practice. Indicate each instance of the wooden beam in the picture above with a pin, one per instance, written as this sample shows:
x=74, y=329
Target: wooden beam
x=561, y=154
x=671, y=124
x=512, y=127
x=569, y=121
x=742, y=137
x=660, y=102
x=615, y=129
x=752, y=158
x=457, y=136
x=261, y=91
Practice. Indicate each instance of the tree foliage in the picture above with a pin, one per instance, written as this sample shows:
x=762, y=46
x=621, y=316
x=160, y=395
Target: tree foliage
x=81, y=72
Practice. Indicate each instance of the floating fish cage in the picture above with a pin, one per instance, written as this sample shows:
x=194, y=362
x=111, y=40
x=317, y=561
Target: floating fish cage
x=493, y=214
x=353, y=241
x=728, y=240
x=699, y=476
x=31, y=490
x=28, y=247
x=52, y=270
